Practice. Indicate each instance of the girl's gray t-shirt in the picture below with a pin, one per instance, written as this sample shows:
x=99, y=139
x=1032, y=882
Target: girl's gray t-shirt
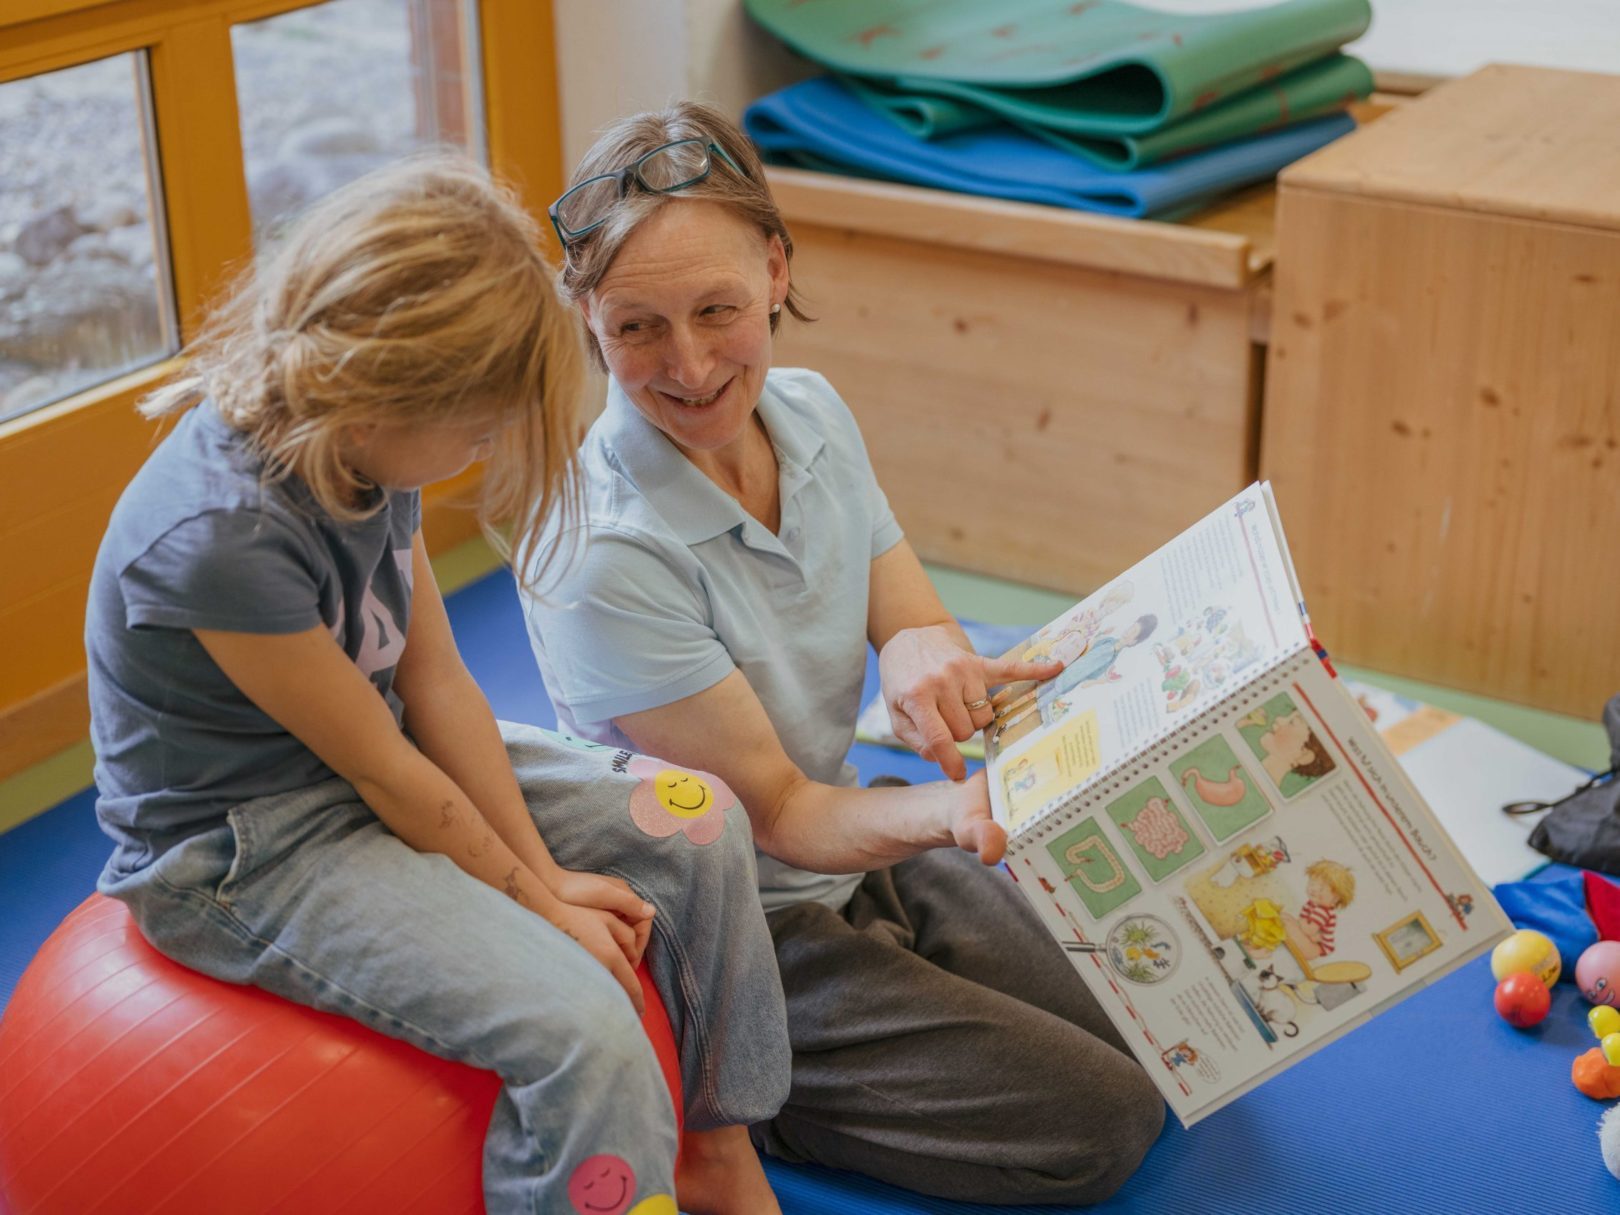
x=199, y=540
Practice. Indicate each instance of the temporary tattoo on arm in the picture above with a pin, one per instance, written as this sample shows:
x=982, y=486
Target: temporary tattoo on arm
x=512, y=891
x=484, y=844
x=447, y=814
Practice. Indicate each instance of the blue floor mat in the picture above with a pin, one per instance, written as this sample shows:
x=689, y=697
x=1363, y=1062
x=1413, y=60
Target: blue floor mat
x=1437, y=1107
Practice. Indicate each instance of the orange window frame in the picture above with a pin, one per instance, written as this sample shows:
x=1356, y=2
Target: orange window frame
x=62, y=467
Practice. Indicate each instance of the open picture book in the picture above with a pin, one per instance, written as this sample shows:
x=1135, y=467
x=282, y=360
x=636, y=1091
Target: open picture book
x=1210, y=825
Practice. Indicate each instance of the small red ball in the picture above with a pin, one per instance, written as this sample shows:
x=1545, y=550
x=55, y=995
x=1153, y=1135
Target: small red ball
x=1523, y=1000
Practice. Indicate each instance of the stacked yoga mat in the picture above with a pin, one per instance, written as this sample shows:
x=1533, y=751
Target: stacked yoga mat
x=1097, y=105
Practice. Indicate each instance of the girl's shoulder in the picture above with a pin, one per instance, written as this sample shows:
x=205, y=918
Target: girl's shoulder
x=202, y=469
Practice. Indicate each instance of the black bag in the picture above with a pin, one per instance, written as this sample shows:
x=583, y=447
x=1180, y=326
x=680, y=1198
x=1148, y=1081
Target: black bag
x=1583, y=827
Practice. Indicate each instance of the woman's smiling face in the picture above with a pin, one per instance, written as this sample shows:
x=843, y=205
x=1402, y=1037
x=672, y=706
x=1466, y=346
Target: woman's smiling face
x=683, y=319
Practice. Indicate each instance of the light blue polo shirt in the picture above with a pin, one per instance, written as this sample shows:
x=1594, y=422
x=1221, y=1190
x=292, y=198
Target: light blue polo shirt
x=673, y=586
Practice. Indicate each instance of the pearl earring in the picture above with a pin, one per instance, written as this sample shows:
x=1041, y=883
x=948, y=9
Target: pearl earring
x=776, y=309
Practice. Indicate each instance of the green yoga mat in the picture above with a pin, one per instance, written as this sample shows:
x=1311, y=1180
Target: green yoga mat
x=1306, y=92
x=1096, y=67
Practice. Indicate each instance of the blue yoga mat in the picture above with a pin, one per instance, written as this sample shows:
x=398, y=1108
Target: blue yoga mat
x=820, y=123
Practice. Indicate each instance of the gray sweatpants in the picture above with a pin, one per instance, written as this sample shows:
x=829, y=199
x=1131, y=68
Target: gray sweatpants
x=943, y=1042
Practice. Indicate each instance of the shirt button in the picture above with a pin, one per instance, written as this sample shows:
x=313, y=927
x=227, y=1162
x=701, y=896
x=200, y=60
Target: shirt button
x=793, y=533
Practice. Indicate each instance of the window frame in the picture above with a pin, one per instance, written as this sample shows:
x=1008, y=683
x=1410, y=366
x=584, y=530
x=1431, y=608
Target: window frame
x=63, y=466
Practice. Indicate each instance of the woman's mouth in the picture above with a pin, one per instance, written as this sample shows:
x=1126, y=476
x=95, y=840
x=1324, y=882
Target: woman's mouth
x=690, y=402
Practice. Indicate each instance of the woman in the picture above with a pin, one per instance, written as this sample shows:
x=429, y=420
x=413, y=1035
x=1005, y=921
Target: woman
x=737, y=556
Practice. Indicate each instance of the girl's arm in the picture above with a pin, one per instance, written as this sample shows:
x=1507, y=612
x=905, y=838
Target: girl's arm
x=309, y=686
x=450, y=719
x=825, y=828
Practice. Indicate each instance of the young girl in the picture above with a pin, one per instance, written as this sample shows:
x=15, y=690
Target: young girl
x=307, y=790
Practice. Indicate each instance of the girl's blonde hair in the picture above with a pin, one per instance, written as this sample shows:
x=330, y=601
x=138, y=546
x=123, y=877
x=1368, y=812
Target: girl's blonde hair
x=743, y=193
x=416, y=295
x=1339, y=880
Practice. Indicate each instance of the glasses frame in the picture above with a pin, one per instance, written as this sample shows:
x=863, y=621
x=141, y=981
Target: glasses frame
x=632, y=172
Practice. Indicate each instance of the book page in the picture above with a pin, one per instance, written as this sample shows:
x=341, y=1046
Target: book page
x=1243, y=895
x=1175, y=632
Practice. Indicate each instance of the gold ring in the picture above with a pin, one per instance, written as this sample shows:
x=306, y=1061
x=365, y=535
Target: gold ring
x=973, y=706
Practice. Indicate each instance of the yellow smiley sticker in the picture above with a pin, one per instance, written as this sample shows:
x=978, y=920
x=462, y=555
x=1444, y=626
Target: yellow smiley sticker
x=681, y=793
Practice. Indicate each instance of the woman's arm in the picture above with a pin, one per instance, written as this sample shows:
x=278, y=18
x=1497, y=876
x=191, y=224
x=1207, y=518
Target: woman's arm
x=825, y=828
x=929, y=671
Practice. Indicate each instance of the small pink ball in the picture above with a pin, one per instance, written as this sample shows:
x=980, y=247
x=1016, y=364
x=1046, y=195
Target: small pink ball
x=1597, y=973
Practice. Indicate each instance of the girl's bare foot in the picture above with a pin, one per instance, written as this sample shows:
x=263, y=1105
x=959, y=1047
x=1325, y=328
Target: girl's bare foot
x=718, y=1173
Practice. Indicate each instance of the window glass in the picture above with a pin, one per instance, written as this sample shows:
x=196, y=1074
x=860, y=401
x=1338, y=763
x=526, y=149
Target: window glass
x=85, y=289
x=329, y=92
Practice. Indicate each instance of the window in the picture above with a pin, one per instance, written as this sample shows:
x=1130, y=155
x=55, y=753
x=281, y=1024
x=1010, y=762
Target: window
x=330, y=92
x=85, y=288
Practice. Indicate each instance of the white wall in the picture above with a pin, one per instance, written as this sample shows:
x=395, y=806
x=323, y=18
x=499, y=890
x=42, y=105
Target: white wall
x=616, y=57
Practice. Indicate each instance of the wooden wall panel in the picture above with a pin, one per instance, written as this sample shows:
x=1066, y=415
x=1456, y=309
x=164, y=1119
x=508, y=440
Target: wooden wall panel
x=1030, y=419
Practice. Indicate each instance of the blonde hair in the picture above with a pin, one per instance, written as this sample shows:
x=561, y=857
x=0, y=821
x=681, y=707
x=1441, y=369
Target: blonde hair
x=415, y=295
x=1338, y=878
x=745, y=194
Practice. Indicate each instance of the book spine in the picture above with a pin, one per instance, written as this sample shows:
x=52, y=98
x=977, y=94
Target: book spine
x=1057, y=814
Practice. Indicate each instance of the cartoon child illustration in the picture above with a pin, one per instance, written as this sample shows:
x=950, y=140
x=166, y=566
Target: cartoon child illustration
x=1071, y=640
x=1096, y=665
x=1290, y=745
x=1250, y=861
x=1328, y=887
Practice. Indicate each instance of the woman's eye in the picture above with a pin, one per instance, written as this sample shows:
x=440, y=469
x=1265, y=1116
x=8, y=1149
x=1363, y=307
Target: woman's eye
x=718, y=310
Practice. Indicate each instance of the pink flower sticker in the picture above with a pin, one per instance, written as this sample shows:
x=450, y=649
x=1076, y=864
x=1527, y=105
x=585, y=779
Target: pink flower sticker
x=602, y=1185
x=673, y=799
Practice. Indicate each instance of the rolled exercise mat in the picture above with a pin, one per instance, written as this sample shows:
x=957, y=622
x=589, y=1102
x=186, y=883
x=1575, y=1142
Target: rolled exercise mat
x=820, y=124
x=1096, y=66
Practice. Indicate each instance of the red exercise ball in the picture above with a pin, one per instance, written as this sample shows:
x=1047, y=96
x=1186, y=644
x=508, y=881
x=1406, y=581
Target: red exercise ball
x=1522, y=999
x=130, y=1085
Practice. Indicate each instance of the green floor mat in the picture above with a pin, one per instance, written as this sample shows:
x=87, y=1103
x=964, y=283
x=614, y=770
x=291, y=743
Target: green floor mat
x=1100, y=67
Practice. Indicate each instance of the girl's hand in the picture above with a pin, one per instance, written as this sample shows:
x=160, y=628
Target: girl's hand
x=600, y=933
x=631, y=916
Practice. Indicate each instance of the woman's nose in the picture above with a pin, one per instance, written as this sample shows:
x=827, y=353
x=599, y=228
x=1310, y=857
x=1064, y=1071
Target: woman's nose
x=688, y=358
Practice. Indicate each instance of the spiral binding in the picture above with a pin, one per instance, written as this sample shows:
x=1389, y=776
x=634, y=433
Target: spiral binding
x=1060, y=813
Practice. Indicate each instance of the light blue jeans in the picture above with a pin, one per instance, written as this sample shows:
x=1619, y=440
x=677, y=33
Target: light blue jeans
x=310, y=896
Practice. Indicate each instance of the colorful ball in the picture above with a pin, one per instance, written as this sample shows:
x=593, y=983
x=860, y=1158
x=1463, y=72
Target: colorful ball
x=1604, y=1020
x=130, y=1082
x=1597, y=973
x=1595, y=1076
x=1527, y=950
x=1611, y=1049
x=1522, y=999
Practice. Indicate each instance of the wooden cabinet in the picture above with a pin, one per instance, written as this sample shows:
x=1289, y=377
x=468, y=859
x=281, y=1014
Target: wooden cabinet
x=1442, y=406
x=1047, y=396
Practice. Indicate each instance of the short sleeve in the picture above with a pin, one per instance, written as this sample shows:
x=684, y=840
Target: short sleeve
x=235, y=571
x=624, y=628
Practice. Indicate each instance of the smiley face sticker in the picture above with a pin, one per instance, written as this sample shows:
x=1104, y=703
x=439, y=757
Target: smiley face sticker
x=667, y=800
x=602, y=1185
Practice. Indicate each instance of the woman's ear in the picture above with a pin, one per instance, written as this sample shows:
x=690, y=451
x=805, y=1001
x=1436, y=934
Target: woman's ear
x=776, y=262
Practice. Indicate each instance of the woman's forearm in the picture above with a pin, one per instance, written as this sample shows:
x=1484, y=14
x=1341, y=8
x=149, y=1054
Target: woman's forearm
x=834, y=829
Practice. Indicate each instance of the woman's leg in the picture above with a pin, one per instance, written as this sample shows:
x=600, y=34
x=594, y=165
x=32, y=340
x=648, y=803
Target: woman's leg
x=311, y=897
x=932, y=1080
x=710, y=956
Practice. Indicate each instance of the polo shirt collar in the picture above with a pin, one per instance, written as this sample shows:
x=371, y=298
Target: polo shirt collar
x=694, y=507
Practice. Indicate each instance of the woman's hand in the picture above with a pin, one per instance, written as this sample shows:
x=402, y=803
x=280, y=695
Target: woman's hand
x=929, y=682
x=628, y=917
x=972, y=827
x=605, y=937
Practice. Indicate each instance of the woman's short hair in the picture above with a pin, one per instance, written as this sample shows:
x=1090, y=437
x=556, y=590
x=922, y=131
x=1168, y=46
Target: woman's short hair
x=415, y=295
x=745, y=193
